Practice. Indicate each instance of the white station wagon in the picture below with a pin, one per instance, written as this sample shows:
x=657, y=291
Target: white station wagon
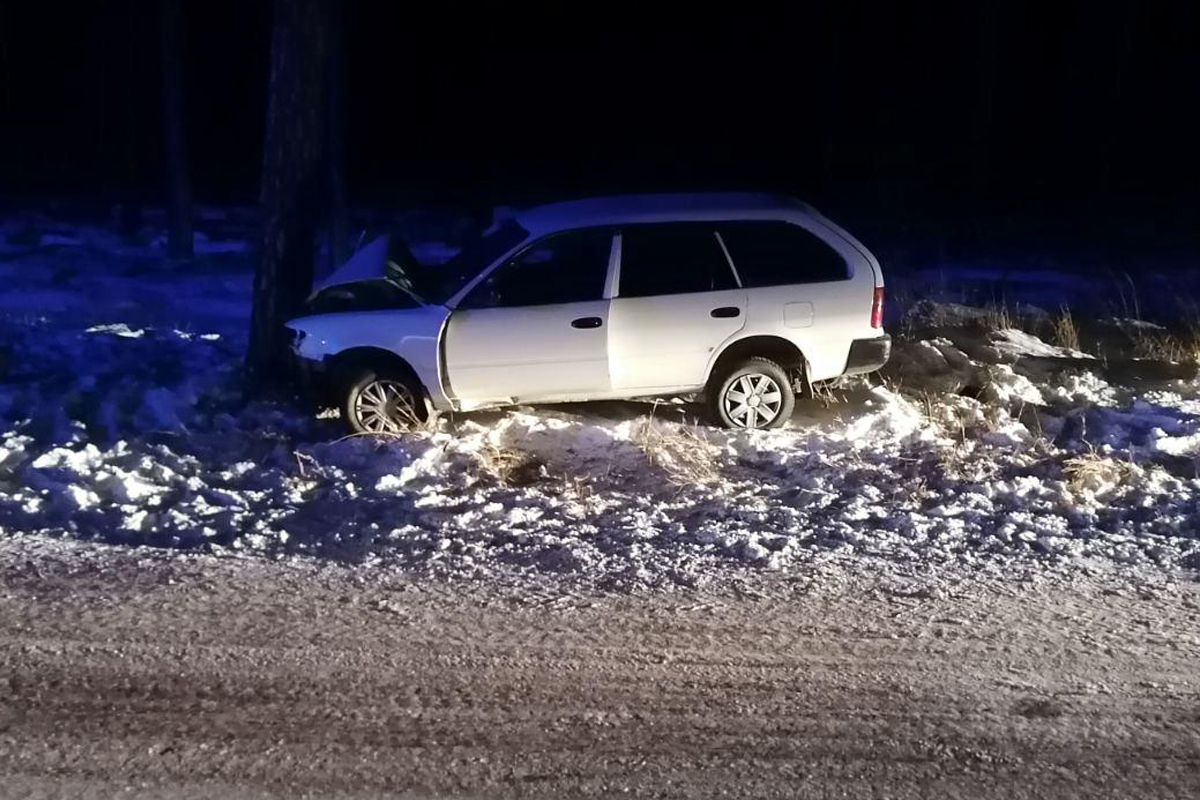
x=743, y=298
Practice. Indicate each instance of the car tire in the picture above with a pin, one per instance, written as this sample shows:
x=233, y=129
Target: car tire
x=382, y=401
x=755, y=394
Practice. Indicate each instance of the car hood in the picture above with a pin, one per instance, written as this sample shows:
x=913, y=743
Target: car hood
x=369, y=262
x=386, y=256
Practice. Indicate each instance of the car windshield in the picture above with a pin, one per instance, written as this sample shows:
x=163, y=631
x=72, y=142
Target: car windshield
x=440, y=283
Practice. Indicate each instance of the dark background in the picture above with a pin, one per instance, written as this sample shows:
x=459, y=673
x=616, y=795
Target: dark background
x=960, y=130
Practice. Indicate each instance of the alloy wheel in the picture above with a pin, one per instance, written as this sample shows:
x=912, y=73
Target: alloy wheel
x=753, y=400
x=385, y=406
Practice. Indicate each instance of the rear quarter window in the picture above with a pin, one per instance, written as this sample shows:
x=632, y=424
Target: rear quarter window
x=778, y=253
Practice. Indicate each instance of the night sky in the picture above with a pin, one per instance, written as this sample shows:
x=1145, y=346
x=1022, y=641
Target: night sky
x=1065, y=120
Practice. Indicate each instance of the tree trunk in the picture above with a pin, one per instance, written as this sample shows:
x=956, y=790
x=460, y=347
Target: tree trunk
x=291, y=179
x=179, y=184
x=336, y=149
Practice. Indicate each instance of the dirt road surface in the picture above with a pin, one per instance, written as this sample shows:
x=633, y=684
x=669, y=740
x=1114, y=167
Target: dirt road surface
x=146, y=676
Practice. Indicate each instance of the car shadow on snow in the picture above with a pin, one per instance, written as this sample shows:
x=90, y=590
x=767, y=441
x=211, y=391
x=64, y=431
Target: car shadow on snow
x=828, y=407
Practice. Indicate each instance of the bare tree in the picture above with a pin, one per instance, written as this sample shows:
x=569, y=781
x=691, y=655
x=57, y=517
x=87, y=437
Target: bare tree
x=179, y=184
x=292, y=177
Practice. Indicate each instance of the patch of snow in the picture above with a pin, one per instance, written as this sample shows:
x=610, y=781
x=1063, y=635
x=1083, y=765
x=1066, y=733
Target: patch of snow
x=1020, y=343
x=1007, y=387
x=117, y=329
x=1080, y=389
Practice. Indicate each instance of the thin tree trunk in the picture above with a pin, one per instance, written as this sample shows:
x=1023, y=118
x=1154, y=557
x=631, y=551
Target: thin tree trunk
x=179, y=184
x=291, y=179
x=336, y=155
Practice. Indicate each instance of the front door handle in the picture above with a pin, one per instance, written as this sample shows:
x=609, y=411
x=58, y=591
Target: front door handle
x=587, y=322
x=725, y=312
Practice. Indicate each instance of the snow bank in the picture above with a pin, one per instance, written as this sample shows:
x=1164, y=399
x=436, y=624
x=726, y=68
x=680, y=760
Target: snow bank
x=126, y=425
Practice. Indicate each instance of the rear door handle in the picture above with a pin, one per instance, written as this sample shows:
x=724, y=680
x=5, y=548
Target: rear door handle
x=587, y=322
x=725, y=312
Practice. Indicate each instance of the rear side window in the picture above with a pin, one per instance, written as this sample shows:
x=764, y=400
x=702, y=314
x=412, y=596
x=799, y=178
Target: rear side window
x=672, y=258
x=565, y=268
x=778, y=253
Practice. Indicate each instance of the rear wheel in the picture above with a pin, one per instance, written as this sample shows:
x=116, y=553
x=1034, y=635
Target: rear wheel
x=755, y=394
x=378, y=401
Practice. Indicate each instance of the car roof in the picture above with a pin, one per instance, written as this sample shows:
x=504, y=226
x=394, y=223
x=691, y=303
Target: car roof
x=642, y=208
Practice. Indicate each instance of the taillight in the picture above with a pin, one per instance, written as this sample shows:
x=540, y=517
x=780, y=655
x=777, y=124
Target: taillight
x=877, y=308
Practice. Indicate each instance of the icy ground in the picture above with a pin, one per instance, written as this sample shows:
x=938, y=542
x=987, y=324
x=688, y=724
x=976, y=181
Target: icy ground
x=983, y=452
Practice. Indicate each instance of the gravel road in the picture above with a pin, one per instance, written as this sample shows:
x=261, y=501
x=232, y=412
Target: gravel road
x=146, y=675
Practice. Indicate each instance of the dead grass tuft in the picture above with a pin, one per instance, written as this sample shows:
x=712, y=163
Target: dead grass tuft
x=997, y=317
x=1095, y=472
x=510, y=465
x=1168, y=347
x=827, y=393
x=1064, y=332
x=407, y=418
x=681, y=451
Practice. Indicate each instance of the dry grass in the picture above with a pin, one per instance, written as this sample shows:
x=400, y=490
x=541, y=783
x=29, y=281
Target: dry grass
x=1064, y=332
x=947, y=419
x=681, y=451
x=1130, y=307
x=827, y=393
x=510, y=465
x=998, y=318
x=581, y=486
x=407, y=417
x=1168, y=347
x=917, y=491
x=1095, y=472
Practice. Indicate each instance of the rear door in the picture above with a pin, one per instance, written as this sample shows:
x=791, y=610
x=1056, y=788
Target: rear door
x=536, y=328
x=677, y=300
x=798, y=279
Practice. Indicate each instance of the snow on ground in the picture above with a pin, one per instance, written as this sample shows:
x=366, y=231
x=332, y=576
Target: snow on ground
x=978, y=453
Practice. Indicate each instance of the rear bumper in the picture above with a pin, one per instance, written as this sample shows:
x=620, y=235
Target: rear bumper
x=868, y=355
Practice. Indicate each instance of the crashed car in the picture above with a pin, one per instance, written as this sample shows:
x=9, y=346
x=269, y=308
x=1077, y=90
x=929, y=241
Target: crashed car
x=744, y=299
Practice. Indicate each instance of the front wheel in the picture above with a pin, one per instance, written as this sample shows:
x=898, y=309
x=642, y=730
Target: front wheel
x=756, y=394
x=376, y=401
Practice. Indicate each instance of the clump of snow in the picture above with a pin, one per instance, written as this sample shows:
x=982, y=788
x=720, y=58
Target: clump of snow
x=1006, y=387
x=886, y=414
x=1080, y=389
x=117, y=329
x=1020, y=343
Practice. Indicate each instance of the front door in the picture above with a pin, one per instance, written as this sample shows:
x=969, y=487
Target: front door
x=536, y=328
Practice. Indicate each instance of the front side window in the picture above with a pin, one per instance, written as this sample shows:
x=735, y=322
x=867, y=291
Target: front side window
x=440, y=283
x=770, y=253
x=672, y=258
x=565, y=268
